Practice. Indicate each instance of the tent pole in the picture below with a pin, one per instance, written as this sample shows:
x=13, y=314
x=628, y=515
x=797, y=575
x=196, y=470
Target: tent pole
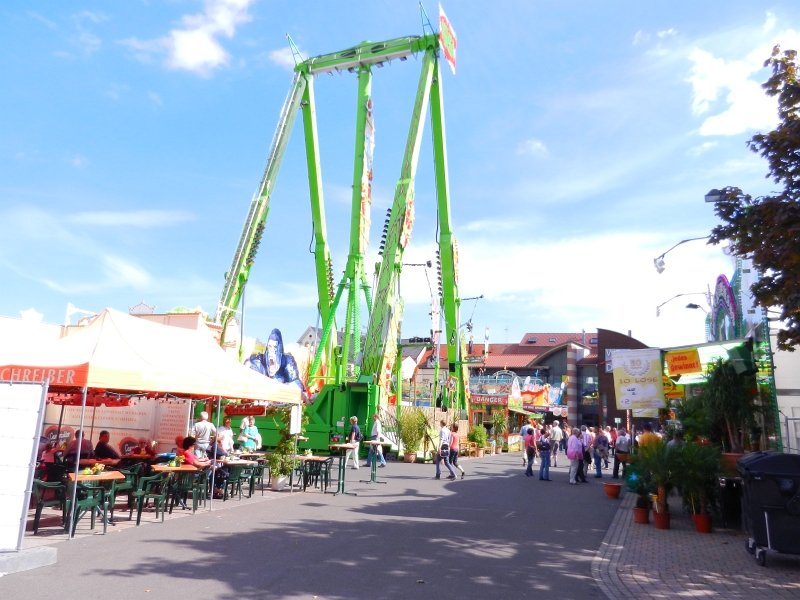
x=94, y=414
x=73, y=507
x=214, y=461
x=58, y=433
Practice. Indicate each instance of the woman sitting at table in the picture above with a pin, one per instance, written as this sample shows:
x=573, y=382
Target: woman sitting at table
x=249, y=436
x=189, y=456
x=145, y=448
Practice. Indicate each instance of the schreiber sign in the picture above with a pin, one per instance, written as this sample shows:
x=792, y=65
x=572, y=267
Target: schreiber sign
x=61, y=376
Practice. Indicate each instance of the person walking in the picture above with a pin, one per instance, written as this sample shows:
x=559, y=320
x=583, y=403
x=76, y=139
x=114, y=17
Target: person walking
x=523, y=432
x=600, y=447
x=622, y=449
x=444, y=451
x=530, y=450
x=556, y=435
x=454, y=446
x=586, y=457
x=544, y=446
x=373, y=448
x=574, y=454
x=354, y=438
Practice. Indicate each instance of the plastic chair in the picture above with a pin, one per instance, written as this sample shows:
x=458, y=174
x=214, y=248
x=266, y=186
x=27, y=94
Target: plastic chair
x=127, y=487
x=90, y=499
x=39, y=491
x=153, y=488
x=257, y=478
x=238, y=475
x=325, y=473
x=200, y=488
x=180, y=488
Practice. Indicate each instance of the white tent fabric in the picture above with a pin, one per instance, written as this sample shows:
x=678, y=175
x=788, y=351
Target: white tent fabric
x=120, y=352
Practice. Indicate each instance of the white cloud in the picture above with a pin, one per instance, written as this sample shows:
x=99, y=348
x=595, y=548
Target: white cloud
x=283, y=58
x=115, y=90
x=41, y=19
x=78, y=161
x=667, y=32
x=702, y=148
x=532, y=146
x=136, y=218
x=640, y=38
x=155, y=98
x=281, y=295
x=769, y=24
x=195, y=47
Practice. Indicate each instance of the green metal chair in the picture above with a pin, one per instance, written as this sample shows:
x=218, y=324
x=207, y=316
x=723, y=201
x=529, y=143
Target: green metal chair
x=200, y=488
x=91, y=499
x=239, y=474
x=195, y=484
x=257, y=477
x=60, y=499
x=127, y=487
x=155, y=488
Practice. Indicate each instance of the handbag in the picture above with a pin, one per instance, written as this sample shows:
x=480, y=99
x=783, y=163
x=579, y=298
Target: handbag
x=444, y=450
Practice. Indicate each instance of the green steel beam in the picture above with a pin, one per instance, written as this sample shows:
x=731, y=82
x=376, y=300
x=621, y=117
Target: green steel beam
x=322, y=254
x=447, y=244
x=368, y=53
x=385, y=300
x=243, y=258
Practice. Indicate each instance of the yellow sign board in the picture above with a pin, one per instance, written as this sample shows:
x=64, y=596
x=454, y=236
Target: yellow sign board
x=638, y=380
x=684, y=362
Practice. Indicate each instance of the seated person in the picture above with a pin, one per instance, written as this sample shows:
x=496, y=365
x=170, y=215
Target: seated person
x=72, y=451
x=103, y=449
x=49, y=454
x=189, y=456
x=145, y=448
x=216, y=447
x=178, y=445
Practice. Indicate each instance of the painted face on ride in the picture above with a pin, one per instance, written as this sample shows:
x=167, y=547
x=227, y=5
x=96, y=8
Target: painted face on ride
x=272, y=357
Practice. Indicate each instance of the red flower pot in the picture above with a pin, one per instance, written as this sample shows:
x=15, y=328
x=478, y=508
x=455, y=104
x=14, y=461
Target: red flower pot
x=612, y=489
x=661, y=519
x=641, y=515
x=702, y=523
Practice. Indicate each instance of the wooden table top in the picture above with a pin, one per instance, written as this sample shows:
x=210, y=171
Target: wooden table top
x=102, y=476
x=250, y=463
x=375, y=442
x=343, y=446
x=311, y=458
x=251, y=455
x=90, y=462
x=164, y=468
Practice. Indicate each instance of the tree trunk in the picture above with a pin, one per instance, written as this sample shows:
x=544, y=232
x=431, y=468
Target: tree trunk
x=735, y=440
x=662, y=498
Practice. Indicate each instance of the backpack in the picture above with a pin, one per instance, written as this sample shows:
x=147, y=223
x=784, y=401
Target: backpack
x=623, y=445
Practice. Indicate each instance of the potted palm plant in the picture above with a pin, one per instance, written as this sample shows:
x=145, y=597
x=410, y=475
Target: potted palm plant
x=411, y=427
x=477, y=435
x=696, y=478
x=639, y=482
x=499, y=427
x=661, y=463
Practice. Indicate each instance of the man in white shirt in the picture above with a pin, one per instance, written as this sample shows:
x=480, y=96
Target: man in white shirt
x=444, y=451
x=376, y=435
x=225, y=435
x=203, y=430
x=556, y=435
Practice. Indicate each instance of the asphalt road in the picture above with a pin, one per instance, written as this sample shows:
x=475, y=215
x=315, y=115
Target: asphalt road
x=495, y=534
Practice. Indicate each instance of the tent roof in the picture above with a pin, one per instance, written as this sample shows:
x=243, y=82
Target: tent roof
x=120, y=352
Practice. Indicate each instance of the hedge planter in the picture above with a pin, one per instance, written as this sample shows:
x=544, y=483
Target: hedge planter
x=641, y=515
x=278, y=483
x=479, y=453
x=661, y=519
x=702, y=523
x=612, y=489
x=409, y=457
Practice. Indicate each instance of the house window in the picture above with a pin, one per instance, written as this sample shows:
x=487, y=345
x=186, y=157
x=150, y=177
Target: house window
x=593, y=341
x=531, y=340
x=552, y=340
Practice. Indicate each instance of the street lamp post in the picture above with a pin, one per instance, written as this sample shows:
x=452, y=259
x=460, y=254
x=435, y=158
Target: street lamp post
x=658, y=261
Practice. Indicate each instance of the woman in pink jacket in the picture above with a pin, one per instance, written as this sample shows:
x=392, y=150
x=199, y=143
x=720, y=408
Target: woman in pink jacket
x=574, y=454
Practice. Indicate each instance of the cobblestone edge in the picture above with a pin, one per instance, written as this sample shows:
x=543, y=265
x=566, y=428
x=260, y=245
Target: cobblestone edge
x=604, y=564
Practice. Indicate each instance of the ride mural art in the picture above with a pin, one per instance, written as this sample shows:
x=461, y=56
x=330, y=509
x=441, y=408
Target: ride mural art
x=274, y=362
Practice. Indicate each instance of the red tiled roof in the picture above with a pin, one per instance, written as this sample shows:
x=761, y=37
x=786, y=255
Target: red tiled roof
x=591, y=359
x=543, y=339
x=508, y=361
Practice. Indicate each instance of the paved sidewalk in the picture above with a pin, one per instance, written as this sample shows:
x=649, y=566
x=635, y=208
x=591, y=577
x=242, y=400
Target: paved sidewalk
x=640, y=561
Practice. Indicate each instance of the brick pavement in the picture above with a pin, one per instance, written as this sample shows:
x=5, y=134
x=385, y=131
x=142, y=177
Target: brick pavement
x=640, y=561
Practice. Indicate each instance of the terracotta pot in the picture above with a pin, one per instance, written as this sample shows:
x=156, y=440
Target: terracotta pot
x=479, y=453
x=612, y=489
x=641, y=515
x=702, y=523
x=661, y=519
x=728, y=463
x=409, y=457
x=498, y=450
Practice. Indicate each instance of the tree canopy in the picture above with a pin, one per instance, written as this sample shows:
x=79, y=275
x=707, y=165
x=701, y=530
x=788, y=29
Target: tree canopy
x=767, y=228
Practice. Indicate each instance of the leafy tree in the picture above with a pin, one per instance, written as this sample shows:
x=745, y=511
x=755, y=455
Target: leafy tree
x=729, y=398
x=768, y=228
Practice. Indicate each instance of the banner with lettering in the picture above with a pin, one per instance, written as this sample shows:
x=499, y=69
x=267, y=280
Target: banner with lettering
x=638, y=380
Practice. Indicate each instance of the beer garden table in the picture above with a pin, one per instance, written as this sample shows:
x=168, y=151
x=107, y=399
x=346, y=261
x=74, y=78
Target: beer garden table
x=373, y=475
x=342, y=448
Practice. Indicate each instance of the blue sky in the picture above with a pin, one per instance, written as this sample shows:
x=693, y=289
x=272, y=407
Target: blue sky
x=581, y=136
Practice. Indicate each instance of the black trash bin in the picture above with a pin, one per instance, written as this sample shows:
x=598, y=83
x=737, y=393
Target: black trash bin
x=771, y=502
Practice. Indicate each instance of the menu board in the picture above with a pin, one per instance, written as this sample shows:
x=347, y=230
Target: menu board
x=172, y=420
x=21, y=409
